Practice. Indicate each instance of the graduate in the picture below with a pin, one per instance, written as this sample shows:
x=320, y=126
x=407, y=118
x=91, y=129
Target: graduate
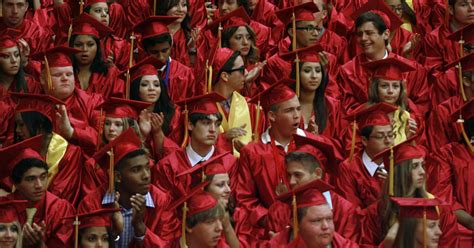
x=361, y=176
x=13, y=16
x=93, y=74
x=78, y=116
x=42, y=219
x=10, y=227
x=142, y=205
x=308, y=203
x=157, y=41
x=407, y=178
x=372, y=35
x=199, y=144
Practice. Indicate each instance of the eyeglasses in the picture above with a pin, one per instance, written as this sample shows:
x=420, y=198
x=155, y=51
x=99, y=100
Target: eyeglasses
x=384, y=136
x=240, y=69
x=310, y=29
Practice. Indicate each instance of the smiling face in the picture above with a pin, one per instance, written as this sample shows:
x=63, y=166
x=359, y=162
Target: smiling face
x=219, y=188
x=88, y=47
x=100, y=11
x=9, y=234
x=9, y=61
x=149, y=89
x=311, y=76
x=317, y=226
x=370, y=40
x=179, y=10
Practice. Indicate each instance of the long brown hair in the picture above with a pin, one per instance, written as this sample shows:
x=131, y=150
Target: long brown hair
x=254, y=53
x=374, y=95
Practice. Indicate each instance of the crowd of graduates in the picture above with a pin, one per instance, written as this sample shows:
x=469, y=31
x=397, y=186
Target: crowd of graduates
x=237, y=123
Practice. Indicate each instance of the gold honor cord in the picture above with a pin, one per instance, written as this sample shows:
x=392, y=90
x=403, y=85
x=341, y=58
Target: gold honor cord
x=391, y=173
x=256, y=131
x=101, y=129
x=295, y=217
x=298, y=80
x=293, y=20
x=48, y=75
x=111, y=170
x=461, y=54
x=81, y=6
x=186, y=132
x=76, y=224
x=353, y=140
x=183, y=227
x=425, y=234
x=209, y=79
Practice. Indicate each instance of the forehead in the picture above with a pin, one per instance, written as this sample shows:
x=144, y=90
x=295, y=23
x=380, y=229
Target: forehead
x=367, y=26
x=9, y=49
x=61, y=69
x=241, y=30
x=296, y=166
x=99, y=5
x=137, y=160
x=311, y=64
x=83, y=38
x=113, y=119
x=393, y=2
x=34, y=171
x=382, y=129
x=220, y=177
x=14, y=1
x=149, y=78
x=307, y=23
x=319, y=211
x=292, y=103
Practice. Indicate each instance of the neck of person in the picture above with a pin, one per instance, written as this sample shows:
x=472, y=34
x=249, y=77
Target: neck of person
x=84, y=71
x=193, y=242
x=278, y=136
x=200, y=149
x=455, y=26
x=174, y=27
x=307, y=97
x=221, y=88
x=371, y=156
x=124, y=199
x=6, y=81
x=376, y=56
x=151, y=108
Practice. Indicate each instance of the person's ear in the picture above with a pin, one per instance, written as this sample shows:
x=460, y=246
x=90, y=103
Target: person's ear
x=271, y=116
x=189, y=230
x=290, y=32
x=466, y=83
x=386, y=34
x=117, y=177
x=364, y=141
x=190, y=126
x=451, y=10
x=224, y=76
x=319, y=173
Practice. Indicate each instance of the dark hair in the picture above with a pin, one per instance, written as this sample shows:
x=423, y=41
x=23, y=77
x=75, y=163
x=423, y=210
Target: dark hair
x=130, y=155
x=244, y=3
x=195, y=117
x=371, y=17
x=24, y=165
x=98, y=64
x=452, y=2
x=406, y=233
x=89, y=7
x=254, y=53
x=214, y=212
x=319, y=101
x=20, y=79
x=469, y=128
x=36, y=123
x=366, y=131
x=152, y=41
x=164, y=103
x=408, y=12
x=163, y=6
x=228, y=65
x=111, y=238
x=308, y=161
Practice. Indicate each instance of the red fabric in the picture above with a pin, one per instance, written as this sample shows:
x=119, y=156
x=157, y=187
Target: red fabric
x=38, y=38
x=118, y=20
x=50, y=210
x=138, y=11
x=337, y=241
x=105, y=85
x=6, y=123
x=33, y=86
x=440, y=50
x=162, y=227
x=354, y=82
x=356, y=184
x=179, y=50
x=181, y=83
x=264, y=13
x=444, y=85
x=118, y=48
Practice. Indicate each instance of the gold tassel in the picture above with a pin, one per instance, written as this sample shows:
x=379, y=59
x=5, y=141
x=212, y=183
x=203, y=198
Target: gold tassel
x=101, y=129
x=295, y=217
x=203, y=176
x=183, y=227
x=76, y=224
x=460, y=122
x=127, y=85
x=425, y=234
x=186, y=132
x=391, y=173
x=293, y=19
x=219, y=36
x=111, y=171
x=48, y=75
x=353, y=140
x=461, y=54
x=256, y=132
x=446, y=14
x=154, y=7
x=209, y=79
x=81, y=6
x=69, y=33
x=298, y=80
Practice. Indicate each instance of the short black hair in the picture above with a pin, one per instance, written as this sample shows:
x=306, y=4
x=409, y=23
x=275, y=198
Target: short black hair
x=152, y=41
x=130, y=155
x=366, y=131
x=195, y=117
x=371, y=17
x=229, y=64
x=36, y=123
x=309, y=162
x=24, y=165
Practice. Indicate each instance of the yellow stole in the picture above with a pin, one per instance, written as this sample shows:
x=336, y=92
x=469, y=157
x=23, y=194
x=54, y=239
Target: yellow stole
x=239, y=115
x=56, y=150
x=399, y=125
x=406, y=24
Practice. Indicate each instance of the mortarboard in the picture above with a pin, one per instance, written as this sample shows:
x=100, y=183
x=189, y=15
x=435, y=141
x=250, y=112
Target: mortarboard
x=95, y=218
x=389, y=69
x=148, y=66
x=326, y=154
x=364, y=116
x=11, y=209
x=214, y=165
x=123, y=108
x=194, y=202
x=85, y=24
x=305, y=196
x=276, y=93
x=59, y=56
x=154, y=26
x=203, y=104
x=379, y=7
x=44, y=104
x=8, y=38
x=235, y=18
x=127, y=142
x=14, y=154
x=396, y=154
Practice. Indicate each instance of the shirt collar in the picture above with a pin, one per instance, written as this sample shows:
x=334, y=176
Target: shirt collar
x=110, y=197
x=370, y=165
x=265, y=138
x=164, y=66
x=194, y=157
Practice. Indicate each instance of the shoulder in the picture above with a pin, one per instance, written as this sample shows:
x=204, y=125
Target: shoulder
x=160, y=198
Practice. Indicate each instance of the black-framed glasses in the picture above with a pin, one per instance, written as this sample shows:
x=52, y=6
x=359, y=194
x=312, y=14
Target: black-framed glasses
x=240, y=69
x=382, y=136
x=310, y=29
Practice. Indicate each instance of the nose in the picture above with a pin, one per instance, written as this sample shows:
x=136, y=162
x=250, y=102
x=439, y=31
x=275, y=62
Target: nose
x=100, y=243
x=324, y=224
x=146, y=174
x=227, y=188
x=9, y=233
x=219, y=227
x=293, y=180
x=245, y=41
x=212, y=127
x=15, y=9
x=38, y=183
x=421, y=171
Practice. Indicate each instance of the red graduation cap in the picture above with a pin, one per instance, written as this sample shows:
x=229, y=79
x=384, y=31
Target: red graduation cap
x=10, y=210
x=306, y=54
x=59, y=56
x=326, y=154
x=123, y=108
x=8, y=38
x=276, y=93
x=44, y=104
x=85, y=24
x=379, y=7
x=303, y=12
x=154, y=26
x=236, y=18
x=216, y=165
x=14, y=154
x=418, y=207
x=464, y=35
x=148, y=66
x=90, y=2
x=307, y=195
x=389, y=69
x=218, y=60
x=467, y=63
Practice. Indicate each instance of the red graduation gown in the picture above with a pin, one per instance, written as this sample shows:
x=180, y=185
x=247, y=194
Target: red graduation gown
x=264, y=13
x=105, y=85
x=33, y=87
x=334, y=122
x=6, y=122
x=164, y=174
x=179, y=50
x=354, y=81
x=444, y=85
x=138, y=10
x=371, y=227
x=38, y=38
x=118, y=20
x=51, y=210
x=119, y=48
x=356, y=184
x=438, y=49
x=181, y=81
x=161, y=227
